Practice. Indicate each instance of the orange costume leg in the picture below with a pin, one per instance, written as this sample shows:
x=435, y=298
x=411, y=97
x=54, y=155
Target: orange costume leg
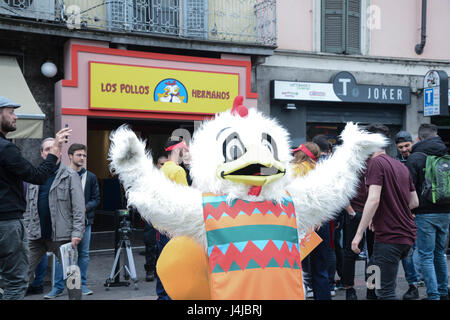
x=183, y=270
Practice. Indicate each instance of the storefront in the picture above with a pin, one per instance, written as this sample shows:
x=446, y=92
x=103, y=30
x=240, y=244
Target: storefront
x=312, y=108
x=154, y=94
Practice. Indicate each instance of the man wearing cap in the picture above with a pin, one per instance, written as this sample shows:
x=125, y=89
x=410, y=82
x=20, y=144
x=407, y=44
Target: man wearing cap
x=14, y=169
x=404, y=143
x=174, y=148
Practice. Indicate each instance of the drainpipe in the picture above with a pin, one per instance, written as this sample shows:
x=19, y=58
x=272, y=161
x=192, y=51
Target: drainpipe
x=419, y=47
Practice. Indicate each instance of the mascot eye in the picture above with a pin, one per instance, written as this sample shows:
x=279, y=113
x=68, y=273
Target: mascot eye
x=270, y=144
x=233, y=147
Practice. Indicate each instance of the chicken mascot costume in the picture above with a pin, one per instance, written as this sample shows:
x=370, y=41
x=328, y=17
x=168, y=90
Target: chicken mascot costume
x=235, y=233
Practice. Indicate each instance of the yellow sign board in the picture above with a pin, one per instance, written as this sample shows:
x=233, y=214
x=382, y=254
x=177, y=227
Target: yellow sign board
x=142, y=88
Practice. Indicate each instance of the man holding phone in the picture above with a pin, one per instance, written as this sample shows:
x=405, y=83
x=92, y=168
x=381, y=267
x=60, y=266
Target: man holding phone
x=14, y=169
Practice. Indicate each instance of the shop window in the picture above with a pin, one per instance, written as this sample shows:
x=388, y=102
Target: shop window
x=341, y=26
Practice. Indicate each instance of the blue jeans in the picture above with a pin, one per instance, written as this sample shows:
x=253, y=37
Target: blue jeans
x=432, y=230
x=83, y=261
x=319, y=265
x=411, y=274
x=39, y=273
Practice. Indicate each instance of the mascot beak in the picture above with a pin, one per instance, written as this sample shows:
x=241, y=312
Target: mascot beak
x=256, y=167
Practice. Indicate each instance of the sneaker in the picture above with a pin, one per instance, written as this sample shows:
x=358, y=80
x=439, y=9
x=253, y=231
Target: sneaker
x=421, y=284
x=333, y=293
x=34, y=290
x=85, y=291
x=412, y=293
x=309, y=294
x=150, y=276
x=350, y=294
x=54, y=293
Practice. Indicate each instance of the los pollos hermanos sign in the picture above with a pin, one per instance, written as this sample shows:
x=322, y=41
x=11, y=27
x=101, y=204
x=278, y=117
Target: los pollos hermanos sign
x=143, y=88
x=343, y=88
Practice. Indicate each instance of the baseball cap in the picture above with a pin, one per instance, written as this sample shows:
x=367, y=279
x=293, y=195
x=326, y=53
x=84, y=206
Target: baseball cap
x=5, y=102
x=403, y=136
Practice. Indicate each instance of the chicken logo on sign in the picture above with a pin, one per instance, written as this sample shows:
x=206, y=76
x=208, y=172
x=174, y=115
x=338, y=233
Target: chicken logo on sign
x=170, y=90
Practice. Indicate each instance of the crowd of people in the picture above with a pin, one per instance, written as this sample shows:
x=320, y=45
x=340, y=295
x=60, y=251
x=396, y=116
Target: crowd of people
x=389, y=220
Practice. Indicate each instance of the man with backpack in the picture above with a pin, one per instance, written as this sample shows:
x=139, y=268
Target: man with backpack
x=429, y=166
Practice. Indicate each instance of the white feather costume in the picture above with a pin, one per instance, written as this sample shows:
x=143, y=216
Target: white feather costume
x=264, y=143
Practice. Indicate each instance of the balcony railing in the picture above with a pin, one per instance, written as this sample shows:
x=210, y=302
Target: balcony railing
x=238, y=21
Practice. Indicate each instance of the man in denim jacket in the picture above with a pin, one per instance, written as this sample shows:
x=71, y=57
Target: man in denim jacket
x=55, y=212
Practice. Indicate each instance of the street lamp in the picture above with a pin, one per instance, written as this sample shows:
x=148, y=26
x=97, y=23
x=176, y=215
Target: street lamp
x=49, y=69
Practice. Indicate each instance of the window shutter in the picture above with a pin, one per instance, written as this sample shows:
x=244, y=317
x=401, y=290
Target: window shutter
x=196, y=18
x=332, y=29
x=353, y=27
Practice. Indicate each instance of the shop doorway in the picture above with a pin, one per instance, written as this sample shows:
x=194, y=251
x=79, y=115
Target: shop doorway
x=112, y=196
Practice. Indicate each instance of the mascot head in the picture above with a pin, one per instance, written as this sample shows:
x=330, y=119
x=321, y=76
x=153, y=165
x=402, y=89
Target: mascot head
x=241, y=153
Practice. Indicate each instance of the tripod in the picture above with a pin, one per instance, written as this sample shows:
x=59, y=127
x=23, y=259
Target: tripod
x=128, y=265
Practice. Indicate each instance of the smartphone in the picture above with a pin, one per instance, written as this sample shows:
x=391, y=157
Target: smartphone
x=66, y=127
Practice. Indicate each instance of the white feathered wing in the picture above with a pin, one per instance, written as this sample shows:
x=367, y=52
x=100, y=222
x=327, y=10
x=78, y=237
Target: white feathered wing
x=172, y=208
x=328, y=188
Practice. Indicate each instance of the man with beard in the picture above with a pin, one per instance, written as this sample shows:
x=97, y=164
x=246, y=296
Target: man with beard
x=14, y=169
x=404, y=143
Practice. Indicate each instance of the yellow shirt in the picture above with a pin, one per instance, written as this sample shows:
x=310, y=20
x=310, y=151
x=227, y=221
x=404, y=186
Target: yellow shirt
x=302, y=169
x=174, y=172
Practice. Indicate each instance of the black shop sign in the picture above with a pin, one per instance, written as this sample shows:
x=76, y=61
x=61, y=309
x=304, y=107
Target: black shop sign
x=347, y=90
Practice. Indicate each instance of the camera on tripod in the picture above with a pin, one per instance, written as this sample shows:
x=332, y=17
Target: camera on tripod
x=122, y=242
x=123, y=224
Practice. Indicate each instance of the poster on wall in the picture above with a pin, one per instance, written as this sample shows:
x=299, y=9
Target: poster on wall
x=143, y=88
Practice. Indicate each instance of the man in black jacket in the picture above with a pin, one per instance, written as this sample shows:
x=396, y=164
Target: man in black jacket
x=14, y=169
x=431, y=219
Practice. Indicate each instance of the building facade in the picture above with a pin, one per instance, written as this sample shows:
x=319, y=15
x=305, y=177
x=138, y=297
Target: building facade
x=158, y=66
x=165, y=65
x=354, y=60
